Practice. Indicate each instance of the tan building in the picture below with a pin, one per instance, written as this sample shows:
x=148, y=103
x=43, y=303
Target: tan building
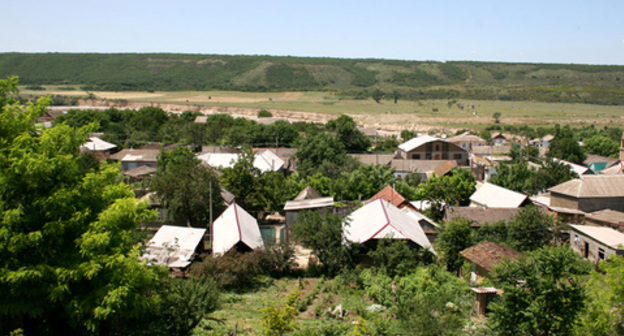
x=431, y=148
x=596, y=243
x=467, y=141
x=590, y=193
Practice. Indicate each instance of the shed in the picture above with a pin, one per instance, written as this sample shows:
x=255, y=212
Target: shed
x=493, y=196
x=174, y=246
x=596, y=243
x=380, y=219
x=485, y=256
x=235, y=228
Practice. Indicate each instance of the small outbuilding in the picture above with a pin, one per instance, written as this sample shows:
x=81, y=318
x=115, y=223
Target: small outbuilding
x=596, y=243
x=485, y=256
x=493, y=196
x=235, y=228
x=174, y=246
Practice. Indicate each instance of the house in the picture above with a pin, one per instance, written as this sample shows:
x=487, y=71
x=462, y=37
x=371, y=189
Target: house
x=492, y=196
x=543, y=142
x=478, y=216
x=485, y=256
x=140, y=172
x=431, y=148
x=133, y=158
x=467, y=141
x=390, y=195
x=430, y=227
x=495, y=150
x=174, y=246
x=95, y=144
x=235, y=229
x=306, y=200
x=374, y=159
x=264, y=161
x=382, y=220
x=598, y=163
x=578, y=169
x=499, y=140
x=424, y=168
x=596, y=243
x=607, y=218
x=590, y=193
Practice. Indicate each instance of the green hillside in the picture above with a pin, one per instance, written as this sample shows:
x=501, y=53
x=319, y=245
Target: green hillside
x=594, y=84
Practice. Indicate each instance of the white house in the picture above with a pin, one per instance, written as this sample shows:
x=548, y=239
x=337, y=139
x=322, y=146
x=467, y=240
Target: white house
x=235, y=228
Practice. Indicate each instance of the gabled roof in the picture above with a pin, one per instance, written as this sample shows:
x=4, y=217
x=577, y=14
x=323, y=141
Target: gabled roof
x=388, y=194
x=420, y=166
x=445, y=167
x=607, y=216
x=315, y=203
x=308, y=193
x=615, y=169
x=466, y=137
x=140, y=171
x=490, y=150
x=604, y=235
x=478, y=215
x=592, y=186
x=591, y=158
x=173, y=246
x=233, y=226
x=578, y=169
x=419, y=217
x=488, y=254
x=268, y=161
x=264, y=161
x=379, y=220
x=493, y=196
x=97, y=144
x=219, y=160
x=419, y=141
x=136, y=155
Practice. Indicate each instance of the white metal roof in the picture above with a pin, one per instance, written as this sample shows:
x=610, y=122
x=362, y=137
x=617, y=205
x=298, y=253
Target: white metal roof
x=578, y=169
x=313, y=203
x=493, y=196
x=219, y=160
x=417, y=142
x=605, y=235
x=268, y=161
x=380, y=219
x=173, y=246
x=96, y=144
x=233, y=226
x=418, y=216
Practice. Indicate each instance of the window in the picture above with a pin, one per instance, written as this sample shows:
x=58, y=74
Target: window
x=444, y=155
x=437, y=148
x=428, y=156
x=415, y=156
x=601, y=254
x=457, y=156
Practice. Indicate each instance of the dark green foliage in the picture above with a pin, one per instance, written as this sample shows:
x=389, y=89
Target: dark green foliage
x=543, y=293
x=264, y=114
x=232, y=271
x=497, y=232
x=242, y=181
x=397, y=257
x=278, y=260
x=454, y=237
x=183, y=185
x=322, y=153
x=323, y=233
x=566, y=149
x=530, y=229
x=288, y=77
x=519, y=177
x=347, y=132
x=453, y=72
x=415, y=78
x=377, y=95
x=452, y=189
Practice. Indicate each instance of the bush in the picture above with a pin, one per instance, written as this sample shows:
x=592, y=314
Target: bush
x=278, y=260
x=232, y=271
x=264, y=114
x=398, y=257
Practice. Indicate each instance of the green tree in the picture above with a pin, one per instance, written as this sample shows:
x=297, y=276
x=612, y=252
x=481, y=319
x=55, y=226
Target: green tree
x=602, y=145
x=452, y=189
x=397, y=257
x=454, y=237
x=68, y=256
x=604, y=315
x=377, y=95
x=348, y=133
x=242, y=181
x=566, y=149
x=407, y=135
x=542, y=293
x=323, y=233
x=323, y=153
x=183, y=184
x=530, y=229
x=496, y=116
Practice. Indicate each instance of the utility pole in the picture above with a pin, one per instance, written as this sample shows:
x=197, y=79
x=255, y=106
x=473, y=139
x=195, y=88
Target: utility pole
x=210, y=217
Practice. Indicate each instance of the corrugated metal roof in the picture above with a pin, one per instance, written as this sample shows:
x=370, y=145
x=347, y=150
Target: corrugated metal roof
x=314, y=203
x=308, y=193
x=264, y=161
x=379, y=220
x=604, y=235
x=417, y=142
x=97, y=144
x=233, y=226
x=592, y=186
x=268, y=161
x=607, y=215
x=136, y=155
x=219, y=160
x=493, y=196
x=173, y=246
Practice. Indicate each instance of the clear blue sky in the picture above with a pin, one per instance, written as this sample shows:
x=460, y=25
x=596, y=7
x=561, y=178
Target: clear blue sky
x=589, y=31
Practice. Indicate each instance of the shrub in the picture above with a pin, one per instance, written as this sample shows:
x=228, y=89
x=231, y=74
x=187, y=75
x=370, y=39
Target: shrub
x=232, y=271
x=276, y=321
x=264, y=114
x=278, y=260
x=397, y=257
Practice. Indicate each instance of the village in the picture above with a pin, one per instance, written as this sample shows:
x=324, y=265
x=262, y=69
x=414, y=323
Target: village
x=586, y=212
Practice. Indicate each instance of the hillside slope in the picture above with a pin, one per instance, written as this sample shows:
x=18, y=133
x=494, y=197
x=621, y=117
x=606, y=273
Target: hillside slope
x=354, y=77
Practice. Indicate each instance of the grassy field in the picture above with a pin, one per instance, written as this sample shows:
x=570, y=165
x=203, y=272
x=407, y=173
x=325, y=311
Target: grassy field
x=422, y=114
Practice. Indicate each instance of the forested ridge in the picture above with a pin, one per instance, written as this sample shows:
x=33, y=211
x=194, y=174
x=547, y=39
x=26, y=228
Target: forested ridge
x=574, y=83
